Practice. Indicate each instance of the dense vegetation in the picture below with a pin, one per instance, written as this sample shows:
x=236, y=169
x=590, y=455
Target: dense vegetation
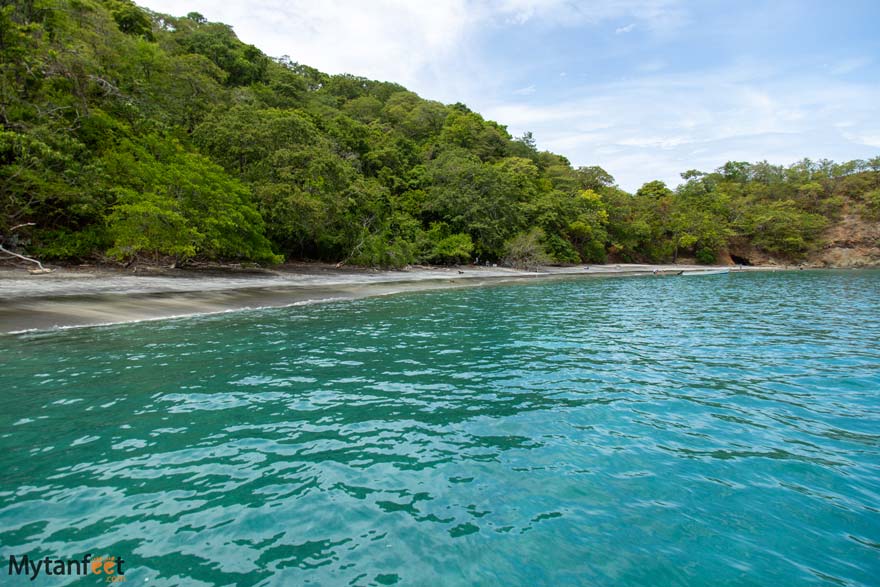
x=129, y=135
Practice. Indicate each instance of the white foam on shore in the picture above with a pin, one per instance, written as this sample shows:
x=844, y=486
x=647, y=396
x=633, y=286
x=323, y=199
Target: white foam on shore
x=58, y=328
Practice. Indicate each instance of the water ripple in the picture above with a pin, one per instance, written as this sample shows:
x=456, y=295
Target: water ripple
x=717, y=431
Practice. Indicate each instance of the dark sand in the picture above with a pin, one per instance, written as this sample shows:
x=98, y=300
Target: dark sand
x=85, y=297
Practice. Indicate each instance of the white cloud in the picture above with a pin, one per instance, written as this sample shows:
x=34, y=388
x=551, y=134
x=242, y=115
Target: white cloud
x=655, y=127
x=526, y=91
x=413, y=43
x=625, y=29
x=429, y=47
x=655, y=15
x=870, y=140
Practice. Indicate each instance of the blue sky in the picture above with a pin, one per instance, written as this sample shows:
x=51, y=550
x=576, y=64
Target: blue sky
x=645, y=88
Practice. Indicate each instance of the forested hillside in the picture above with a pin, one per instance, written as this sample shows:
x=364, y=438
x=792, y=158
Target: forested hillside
x=132, y=136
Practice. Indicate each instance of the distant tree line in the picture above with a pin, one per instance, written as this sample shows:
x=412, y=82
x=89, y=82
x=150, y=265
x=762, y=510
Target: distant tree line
x=131, y=135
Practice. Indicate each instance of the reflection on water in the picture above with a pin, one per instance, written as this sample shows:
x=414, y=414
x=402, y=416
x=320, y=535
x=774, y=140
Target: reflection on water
x=711, y=431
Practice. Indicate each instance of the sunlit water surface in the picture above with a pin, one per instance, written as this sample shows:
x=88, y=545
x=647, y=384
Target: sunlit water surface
x=648, y=431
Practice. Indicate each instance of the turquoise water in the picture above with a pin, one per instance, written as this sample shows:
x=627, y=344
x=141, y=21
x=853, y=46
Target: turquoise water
x=718, y=430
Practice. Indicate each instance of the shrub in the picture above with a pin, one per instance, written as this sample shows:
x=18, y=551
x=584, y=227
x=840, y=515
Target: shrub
x=525, y=250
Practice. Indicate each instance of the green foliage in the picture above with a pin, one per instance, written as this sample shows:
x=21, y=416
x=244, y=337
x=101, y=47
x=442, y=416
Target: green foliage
x=870, y=208
x=526, y=250
x=781, y=227
x=131, y=19
x=779, y=210
x=146, y=223
x=707, y=256
x=137, y=135
x=173, y=202
x=476, y=198
x=377, y=250
x=587, y=233
x=655, y=190
x=66, y=244
x=244, y=64
x=561, y=250
x=469, y=131
x=440, y=246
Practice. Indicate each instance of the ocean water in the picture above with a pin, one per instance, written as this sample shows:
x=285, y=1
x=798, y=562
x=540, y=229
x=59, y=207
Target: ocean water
x=648, y=431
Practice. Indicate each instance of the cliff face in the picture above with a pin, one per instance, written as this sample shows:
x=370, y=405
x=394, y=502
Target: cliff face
x=851, y=242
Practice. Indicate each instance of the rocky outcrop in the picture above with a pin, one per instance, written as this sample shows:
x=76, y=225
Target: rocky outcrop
x=742, y=252
x=851, y=242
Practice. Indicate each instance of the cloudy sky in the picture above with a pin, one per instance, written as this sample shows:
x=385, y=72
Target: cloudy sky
x=644, y=88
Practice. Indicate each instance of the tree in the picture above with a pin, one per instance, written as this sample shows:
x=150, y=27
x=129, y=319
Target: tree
x=475, y=198
x=244, y=64
x=781, y=227
x=441, y=246
x=173, y=202
x=152, y=224
x=526, y=251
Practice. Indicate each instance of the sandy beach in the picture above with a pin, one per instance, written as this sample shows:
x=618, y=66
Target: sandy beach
x=71, y=297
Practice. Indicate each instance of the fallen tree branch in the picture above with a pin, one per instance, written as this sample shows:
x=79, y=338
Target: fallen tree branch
x=40, y=265
x=10, y=253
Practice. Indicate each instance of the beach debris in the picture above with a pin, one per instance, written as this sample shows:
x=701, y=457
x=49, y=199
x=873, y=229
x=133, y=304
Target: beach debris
x=32, y=271
x=10, y=253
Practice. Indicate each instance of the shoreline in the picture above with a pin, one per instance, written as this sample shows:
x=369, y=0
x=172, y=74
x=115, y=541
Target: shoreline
x=70, y=298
